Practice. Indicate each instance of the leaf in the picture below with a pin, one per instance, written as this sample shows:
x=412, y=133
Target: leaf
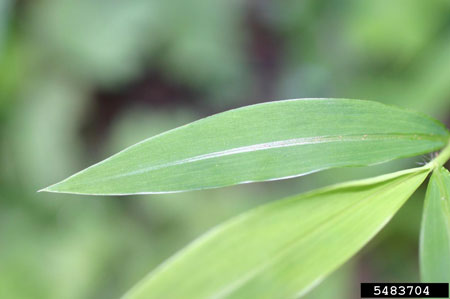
x=435, y=233
x=262, y=142
x=284, y=248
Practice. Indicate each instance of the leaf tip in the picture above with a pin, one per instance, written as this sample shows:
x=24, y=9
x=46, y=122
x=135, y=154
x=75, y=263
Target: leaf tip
x=52, y=188
x=47, y=189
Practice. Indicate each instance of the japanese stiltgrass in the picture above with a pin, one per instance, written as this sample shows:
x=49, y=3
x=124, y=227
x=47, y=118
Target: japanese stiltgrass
x=284, y=248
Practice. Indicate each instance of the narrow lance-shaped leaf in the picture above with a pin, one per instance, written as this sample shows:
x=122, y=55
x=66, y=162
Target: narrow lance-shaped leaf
x=435, y=234
x=284, y=248
x=262, y=142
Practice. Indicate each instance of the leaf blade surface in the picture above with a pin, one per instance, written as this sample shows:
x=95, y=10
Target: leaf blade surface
x=435, y=230
x=262, y=142
x=284, y=248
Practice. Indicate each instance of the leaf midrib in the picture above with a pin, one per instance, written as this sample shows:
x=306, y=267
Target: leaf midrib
x=282, y=144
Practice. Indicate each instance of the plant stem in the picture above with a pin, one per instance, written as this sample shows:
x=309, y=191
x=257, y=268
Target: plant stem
x=440, y=160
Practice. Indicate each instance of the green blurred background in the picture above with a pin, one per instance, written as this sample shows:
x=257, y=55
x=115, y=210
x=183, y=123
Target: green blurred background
x=82, y=79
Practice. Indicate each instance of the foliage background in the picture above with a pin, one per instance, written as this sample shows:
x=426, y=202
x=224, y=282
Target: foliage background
x=82, y=79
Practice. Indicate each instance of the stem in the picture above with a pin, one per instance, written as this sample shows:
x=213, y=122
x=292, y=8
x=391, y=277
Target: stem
x=440, y=160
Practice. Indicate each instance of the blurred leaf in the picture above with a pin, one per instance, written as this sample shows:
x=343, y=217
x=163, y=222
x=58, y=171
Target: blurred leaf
x=205, y=47
x=262, y=142
x=100, y=41
x=435, y=234
x=44, y=107
x=11, y=61
x=407, y=25
x=5, y=9
x=283, y=249
x=431, y=80
x=13, y=70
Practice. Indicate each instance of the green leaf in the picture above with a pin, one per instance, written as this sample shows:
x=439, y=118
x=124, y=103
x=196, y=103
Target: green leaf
x=284, y=248
x=435, y=233
x=262, y=142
